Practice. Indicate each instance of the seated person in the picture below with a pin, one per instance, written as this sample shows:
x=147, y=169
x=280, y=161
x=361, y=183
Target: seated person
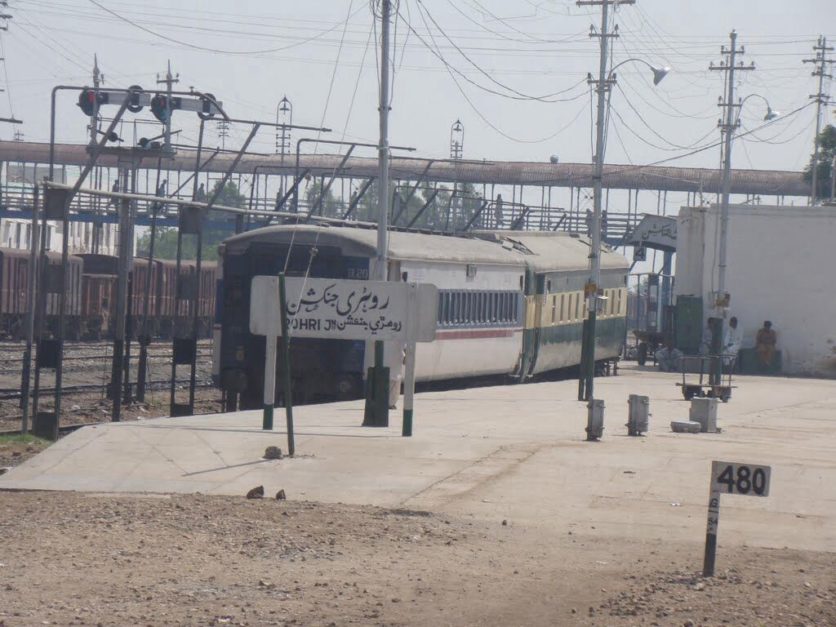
x=765, y=345
x=669, y=358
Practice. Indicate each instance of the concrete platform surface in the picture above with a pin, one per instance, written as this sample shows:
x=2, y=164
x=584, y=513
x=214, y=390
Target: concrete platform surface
x=512, y=452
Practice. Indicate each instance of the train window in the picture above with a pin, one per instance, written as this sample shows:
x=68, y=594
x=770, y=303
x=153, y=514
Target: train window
x=562, y=307
x=549, y=285
x=440, y=316
x=578, y=300
x=554, y=308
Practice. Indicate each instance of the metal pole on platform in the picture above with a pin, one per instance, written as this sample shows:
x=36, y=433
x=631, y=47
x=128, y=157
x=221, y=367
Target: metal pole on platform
x=377, y=404
x=30, y=317
x=285, y=340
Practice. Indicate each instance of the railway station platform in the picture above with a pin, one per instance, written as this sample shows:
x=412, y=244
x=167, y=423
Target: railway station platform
x=512, y=453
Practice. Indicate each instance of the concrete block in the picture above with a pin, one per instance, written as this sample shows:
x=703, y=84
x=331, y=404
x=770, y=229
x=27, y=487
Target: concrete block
x=685, y=426
x=704, y=411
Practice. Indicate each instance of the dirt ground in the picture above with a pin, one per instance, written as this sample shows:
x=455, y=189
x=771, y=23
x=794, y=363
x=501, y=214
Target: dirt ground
x=196, y=560
x=93, y=407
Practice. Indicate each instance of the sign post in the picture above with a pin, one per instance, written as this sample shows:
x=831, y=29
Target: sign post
x=409, y=367
x=264, y=295
x=730, y=478
x=288, y=397
x=343, y=310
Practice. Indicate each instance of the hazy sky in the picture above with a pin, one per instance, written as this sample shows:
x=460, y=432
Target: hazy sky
x=252, y=52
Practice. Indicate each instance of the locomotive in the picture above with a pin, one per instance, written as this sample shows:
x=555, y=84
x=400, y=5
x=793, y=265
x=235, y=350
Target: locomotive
x=511, y=304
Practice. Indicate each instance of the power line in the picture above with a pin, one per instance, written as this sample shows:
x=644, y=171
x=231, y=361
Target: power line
x=208, y=49
x=450, y=68
x=822, y=99
x=422, y=7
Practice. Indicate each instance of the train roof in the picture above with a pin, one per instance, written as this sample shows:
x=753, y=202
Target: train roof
x=540, y=251
x=403, y=245
x=547, y=251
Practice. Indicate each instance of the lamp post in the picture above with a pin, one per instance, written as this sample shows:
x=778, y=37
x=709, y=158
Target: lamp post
x=721, y=298
x=603, y=85
x=732, y=122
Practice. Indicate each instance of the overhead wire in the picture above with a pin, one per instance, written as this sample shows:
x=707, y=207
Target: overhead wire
x=210, y=49
x=481, y=115
x=486, y=74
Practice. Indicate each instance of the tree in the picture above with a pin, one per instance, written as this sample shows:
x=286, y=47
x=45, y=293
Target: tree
x=827, y=151
x=219, y=225
x=329, y=206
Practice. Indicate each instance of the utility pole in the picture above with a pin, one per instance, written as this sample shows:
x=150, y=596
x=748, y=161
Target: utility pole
x=730, y=66
x=223, y=132
x=383, y=146
x=822, y=63
x=377, y=403
x=602, y=87
x=168, y=81
x=98, y=79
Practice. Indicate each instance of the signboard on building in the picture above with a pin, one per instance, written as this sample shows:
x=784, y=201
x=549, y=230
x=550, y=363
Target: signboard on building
x=656, y=232
x=344, y=309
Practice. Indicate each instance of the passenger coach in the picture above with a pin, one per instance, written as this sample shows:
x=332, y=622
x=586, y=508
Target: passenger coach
x=510, y=304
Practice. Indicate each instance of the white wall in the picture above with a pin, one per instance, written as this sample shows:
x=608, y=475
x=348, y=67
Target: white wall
x=781, y=266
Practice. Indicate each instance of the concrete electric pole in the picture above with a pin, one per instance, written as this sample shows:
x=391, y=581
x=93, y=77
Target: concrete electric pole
x=602, y=87
x=822, y=99
x=168, y=81
x=730, y=66
x=721, y=299
x=377, y=403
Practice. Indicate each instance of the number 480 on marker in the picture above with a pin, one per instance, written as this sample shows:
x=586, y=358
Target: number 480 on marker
x=731, y=478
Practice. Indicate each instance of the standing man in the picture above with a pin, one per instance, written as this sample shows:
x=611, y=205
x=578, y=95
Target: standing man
x=732, y=342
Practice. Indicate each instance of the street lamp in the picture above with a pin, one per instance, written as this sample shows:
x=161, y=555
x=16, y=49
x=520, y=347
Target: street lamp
x=603, y=86
x=771, y=114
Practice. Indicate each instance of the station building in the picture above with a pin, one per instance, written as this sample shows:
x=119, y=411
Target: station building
x=780, y=267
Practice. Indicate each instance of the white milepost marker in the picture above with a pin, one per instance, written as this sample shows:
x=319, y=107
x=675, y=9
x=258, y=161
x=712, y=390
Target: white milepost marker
x=730, y=478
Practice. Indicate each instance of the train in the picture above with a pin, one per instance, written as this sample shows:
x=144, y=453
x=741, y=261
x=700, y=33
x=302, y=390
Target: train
x=90, y=282
x=511, y=304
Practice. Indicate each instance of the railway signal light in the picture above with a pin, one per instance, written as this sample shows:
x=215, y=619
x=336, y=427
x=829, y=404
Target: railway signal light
x=159, y=107
x=162, y=108
x=89, y=100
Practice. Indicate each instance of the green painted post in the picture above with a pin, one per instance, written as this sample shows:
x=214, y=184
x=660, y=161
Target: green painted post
x=269, y=382
x=288, y=398
x=267, y=420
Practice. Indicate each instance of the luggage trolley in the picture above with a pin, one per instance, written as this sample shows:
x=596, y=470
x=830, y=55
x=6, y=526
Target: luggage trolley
x=692, y=386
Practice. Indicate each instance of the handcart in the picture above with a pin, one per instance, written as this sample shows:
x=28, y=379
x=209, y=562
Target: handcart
x=697, y=380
